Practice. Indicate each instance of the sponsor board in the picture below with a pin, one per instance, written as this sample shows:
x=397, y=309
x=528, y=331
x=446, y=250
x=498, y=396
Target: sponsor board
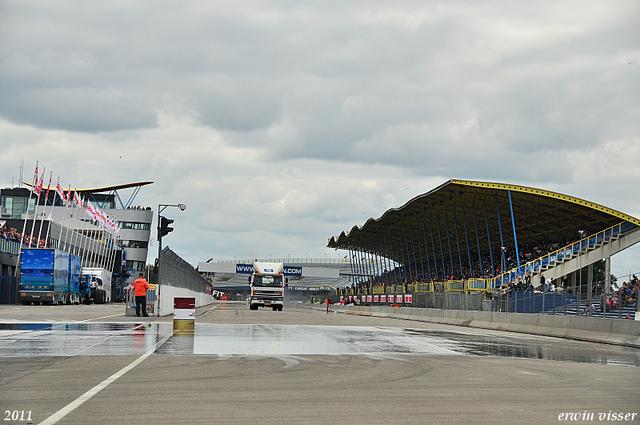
x=292, y=271
x=244, y=268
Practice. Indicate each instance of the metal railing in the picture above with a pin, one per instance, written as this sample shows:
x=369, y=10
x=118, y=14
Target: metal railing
x=570, y=301
x=561, y=255
x=8, y=246
x=130, y=300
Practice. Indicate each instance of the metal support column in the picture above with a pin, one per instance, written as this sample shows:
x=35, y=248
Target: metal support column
x=486, y=219
x=415, y=261
x=475, y=224
x=455, y=226
x=446, y=223
x=444, y=269
x=504, y=258
x=408, y=257
x=421, y=258
x=426, y=250
x=515, y=238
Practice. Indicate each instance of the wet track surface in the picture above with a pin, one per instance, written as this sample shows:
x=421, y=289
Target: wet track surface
x=90, y=339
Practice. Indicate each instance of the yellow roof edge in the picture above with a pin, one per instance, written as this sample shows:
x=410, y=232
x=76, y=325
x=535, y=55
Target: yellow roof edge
x=549, y=194
x=101, y=189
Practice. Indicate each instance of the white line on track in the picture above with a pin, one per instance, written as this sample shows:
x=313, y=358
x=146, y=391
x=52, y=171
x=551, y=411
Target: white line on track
x=53, y=419
x=99, y=318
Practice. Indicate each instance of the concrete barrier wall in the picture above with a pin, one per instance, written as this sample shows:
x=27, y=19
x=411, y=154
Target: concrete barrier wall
x=168, y=293
x=610, y=331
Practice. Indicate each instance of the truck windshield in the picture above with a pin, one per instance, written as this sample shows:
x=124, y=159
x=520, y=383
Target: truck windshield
x=267, y=280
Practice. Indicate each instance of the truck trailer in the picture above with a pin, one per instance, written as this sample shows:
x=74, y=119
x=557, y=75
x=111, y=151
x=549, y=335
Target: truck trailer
x=95, y=285
x=267, y=286
x=49, y=276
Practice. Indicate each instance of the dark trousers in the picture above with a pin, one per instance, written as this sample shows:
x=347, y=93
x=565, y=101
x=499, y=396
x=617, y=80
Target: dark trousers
x=141, y=302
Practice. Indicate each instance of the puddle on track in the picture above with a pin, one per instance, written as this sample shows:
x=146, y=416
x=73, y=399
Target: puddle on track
x=71, y=339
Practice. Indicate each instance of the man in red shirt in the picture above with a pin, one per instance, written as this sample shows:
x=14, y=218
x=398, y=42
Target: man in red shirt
x=140, y=287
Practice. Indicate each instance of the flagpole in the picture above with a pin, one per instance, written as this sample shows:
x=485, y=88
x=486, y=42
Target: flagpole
x=67, y=201
x=85, y=241
x=76, y=236
x=35, y=210
x=94, y=237
x=24, y=224
x=55, y=199
x=46, y=198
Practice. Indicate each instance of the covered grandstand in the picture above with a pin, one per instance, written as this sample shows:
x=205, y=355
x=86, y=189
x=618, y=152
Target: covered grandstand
x=468, y=236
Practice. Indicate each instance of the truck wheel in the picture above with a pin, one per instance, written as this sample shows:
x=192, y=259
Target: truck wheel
x=280, y=308
x=253, y=306
x=97, y=297
x=275, y=308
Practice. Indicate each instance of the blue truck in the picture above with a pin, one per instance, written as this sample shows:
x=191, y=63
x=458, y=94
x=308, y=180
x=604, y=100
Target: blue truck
x=49, y=276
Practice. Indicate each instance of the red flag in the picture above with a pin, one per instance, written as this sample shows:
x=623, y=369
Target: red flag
x=40, y=184
x=59, y=190
x=76, y=199
x=48, y=187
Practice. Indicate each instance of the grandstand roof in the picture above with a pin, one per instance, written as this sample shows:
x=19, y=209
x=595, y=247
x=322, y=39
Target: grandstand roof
x=461, y=209
x=103, y=188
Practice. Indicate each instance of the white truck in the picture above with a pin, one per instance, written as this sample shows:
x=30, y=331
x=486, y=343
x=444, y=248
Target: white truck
x=267, y=286
x=95, y=285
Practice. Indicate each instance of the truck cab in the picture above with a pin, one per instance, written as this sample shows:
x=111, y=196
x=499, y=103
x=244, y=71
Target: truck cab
x=267, y=284
x=95, y=285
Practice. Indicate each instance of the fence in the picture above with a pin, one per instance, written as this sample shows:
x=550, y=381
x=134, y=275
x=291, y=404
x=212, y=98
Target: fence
x=448, y=300
x=571, y=301
x=9, y=246
x=176, y=272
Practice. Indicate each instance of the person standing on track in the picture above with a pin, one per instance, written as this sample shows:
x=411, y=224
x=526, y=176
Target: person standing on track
x=140, y=286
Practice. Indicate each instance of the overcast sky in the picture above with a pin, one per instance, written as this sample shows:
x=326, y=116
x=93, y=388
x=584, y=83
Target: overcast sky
x=282, y=123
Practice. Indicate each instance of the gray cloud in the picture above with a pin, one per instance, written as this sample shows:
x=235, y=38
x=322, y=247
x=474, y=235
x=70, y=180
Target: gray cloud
x=301, y=119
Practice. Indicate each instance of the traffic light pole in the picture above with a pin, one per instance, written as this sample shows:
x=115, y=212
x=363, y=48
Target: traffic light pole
x=161, y=208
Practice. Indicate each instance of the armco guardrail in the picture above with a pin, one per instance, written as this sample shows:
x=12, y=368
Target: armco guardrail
x=610, y=331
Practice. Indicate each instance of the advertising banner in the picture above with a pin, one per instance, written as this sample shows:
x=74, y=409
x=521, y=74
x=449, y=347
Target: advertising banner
x=375, y=298
x=369, y=298
x=383, y=298
x=292, y=271
x=408, y=299
x=244, y=268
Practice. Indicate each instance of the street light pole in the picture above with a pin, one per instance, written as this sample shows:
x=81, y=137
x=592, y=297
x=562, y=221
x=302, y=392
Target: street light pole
x=161, y=208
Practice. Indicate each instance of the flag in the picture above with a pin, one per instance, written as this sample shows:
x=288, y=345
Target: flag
x=76, y=199
x=91, y=212
x=35, y=180
x=40, y=184
x=59, y=190
x=48, y=187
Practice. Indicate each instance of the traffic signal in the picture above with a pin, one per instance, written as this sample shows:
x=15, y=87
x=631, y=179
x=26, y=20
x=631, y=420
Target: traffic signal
x=164, y=226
